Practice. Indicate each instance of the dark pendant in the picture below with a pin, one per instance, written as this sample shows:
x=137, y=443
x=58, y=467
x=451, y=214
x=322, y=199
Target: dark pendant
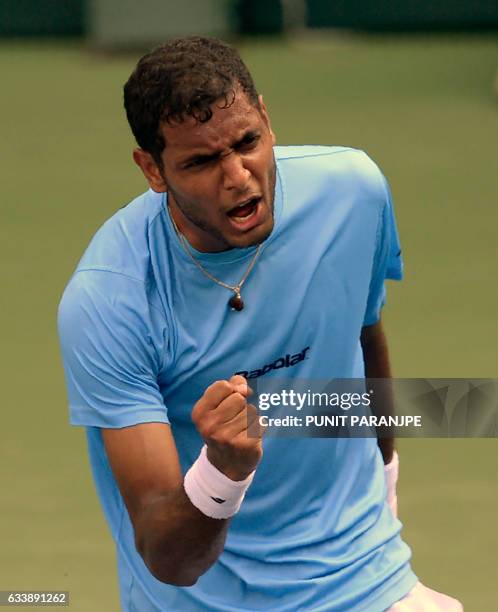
x=236, y=302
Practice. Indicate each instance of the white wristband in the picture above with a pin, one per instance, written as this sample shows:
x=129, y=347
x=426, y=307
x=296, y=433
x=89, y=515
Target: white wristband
x=391, y=471
x=213, y=493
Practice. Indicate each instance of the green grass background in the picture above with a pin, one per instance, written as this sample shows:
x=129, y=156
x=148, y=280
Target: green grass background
x=424, y=110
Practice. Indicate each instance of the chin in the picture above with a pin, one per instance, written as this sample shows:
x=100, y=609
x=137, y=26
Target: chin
x=252, y=238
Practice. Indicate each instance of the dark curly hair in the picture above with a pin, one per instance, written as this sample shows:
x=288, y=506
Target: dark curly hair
x=181, y=78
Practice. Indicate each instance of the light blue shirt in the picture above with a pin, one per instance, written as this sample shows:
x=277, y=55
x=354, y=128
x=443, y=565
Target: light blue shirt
x=144, y=332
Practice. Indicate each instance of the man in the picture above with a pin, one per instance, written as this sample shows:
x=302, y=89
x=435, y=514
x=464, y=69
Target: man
x=238, y=255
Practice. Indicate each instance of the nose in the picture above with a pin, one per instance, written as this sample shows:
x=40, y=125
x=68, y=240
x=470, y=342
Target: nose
x=235, y=174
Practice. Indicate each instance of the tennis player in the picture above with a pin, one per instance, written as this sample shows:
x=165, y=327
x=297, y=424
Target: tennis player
x=242, y=261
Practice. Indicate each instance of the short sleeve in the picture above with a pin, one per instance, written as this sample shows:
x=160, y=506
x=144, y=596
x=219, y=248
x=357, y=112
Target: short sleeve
x=388, y=261
x=112, y=342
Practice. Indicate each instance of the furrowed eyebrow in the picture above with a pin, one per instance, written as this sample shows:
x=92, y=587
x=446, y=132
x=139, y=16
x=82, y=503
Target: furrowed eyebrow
x=200, y=159
x=247, y=138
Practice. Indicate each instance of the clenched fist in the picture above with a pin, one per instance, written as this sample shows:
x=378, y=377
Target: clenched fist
x=222, y=417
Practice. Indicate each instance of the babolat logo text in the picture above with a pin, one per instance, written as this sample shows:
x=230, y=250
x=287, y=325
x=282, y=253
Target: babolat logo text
x=282, y=362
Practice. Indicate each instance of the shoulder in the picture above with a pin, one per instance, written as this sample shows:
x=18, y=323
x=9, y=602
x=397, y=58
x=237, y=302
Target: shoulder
x=104, y=315
x=114, y=280
x=342, y=166
x=310, y=152
x=96, y=299
x=122, y=244
x=332, y=174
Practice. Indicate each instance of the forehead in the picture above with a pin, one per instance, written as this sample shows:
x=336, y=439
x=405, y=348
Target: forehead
x=224, y=127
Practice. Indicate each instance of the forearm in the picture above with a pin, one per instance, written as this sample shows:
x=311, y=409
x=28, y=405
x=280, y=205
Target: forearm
x=181, y=530
x=177, y=542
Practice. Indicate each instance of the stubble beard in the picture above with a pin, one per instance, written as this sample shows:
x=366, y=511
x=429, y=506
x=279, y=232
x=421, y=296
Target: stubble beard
x=188, y=210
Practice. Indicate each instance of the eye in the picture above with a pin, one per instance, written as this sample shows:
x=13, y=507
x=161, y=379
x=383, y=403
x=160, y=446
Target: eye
x=249, y=141
x=199, y=161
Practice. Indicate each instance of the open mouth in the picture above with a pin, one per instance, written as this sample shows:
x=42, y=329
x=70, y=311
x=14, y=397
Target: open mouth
x=245, y=211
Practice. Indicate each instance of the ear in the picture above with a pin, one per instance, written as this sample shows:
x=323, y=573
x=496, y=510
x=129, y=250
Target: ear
x=266, y=118
x=151, y=170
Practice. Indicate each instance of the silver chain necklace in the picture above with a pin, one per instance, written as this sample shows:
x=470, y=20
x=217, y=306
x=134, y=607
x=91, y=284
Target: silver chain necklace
x=235, y=302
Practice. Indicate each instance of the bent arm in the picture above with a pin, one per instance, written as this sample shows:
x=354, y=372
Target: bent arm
x=376, y=357
x=177, y=542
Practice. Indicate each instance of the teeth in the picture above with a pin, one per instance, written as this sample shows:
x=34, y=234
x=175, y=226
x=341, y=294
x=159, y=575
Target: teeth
x=252, y=202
